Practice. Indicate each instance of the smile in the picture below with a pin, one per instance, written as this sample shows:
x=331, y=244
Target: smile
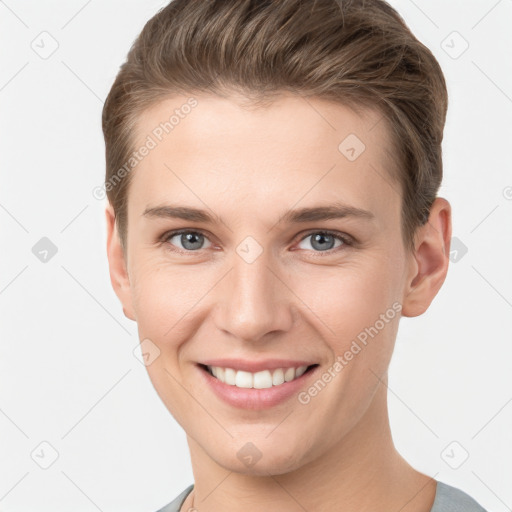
x=259, y=390
x=258, y=380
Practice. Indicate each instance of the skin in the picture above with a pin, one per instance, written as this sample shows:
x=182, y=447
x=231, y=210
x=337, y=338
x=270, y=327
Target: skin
x=295, y=300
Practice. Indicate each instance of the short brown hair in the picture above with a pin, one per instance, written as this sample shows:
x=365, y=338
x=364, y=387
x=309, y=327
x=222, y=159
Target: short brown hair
x=358, y=53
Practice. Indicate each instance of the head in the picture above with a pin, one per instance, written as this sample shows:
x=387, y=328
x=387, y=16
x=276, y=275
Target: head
x=265, y=116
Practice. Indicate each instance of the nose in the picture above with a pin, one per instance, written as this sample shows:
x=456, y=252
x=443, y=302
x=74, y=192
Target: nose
x=254, y=301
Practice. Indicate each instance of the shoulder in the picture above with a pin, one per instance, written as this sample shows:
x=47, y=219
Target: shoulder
x=452, y=499
x=447, y=499
x=176, y=503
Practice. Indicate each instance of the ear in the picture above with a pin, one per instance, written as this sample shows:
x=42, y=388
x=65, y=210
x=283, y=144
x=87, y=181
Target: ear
x=429, y=263
x=117, y=265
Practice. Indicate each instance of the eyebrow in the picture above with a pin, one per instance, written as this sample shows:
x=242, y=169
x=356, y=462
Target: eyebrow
x=297, y=216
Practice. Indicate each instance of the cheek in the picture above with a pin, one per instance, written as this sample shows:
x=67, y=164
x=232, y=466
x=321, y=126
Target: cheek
x=348, y=298
x=356, y=313
x=162, y=296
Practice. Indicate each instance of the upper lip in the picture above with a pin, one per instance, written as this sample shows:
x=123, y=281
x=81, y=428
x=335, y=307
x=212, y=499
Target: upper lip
x=256, y=366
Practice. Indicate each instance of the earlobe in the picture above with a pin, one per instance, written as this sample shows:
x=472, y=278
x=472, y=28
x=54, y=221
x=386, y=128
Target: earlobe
x=119, y=277
x=429, y=264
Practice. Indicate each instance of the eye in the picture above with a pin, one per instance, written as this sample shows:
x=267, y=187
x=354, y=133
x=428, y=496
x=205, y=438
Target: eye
x=323, y=241
x=192, y=241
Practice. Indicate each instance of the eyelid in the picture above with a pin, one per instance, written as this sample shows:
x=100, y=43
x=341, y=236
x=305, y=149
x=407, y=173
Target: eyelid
x=343, y=237
x=347, y=240
x=163, y=239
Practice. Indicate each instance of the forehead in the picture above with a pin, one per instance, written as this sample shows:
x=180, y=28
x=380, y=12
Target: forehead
x=295, y=149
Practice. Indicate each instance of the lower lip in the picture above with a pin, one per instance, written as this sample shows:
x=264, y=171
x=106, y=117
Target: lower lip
x=256, y=399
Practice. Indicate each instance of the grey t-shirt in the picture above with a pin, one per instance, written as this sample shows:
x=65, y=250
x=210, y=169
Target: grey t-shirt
x=447, y=499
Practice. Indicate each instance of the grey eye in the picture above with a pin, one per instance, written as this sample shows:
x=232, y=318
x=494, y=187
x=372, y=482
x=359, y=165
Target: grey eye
x=322, y=241
x=190, y=240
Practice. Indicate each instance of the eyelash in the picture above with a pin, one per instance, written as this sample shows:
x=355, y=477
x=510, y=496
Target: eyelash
x=347, y=241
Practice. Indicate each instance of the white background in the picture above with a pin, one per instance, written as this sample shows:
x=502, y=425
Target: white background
x=68, y=374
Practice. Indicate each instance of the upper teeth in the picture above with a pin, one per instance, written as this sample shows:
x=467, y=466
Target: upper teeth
x=258, y=380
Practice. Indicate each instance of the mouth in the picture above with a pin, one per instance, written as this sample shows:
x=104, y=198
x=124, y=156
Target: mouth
x=244, y=390
x=258, y=380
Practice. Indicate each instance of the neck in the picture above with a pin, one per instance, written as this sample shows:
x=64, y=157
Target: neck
x=363, y=472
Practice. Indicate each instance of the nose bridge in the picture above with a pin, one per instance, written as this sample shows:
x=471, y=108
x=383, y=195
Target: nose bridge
x=254, y=300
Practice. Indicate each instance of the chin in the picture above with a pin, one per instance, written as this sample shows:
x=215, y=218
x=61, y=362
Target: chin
x=261, y=458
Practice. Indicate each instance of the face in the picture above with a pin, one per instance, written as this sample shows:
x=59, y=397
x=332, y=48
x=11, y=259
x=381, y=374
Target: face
x=261, y=273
